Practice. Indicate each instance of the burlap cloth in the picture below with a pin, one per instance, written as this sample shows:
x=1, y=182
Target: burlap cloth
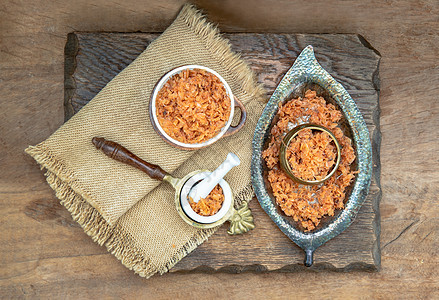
x=119, y=206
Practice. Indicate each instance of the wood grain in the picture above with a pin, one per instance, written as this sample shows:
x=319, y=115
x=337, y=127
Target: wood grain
x=44, y=254
x=92, y=59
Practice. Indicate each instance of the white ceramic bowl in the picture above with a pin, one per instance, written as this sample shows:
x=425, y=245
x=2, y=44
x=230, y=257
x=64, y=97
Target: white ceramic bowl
x=225, y=131
x=225, y=209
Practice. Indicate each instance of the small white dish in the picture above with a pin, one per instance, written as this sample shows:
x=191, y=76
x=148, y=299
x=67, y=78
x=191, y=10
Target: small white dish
x=225, y=208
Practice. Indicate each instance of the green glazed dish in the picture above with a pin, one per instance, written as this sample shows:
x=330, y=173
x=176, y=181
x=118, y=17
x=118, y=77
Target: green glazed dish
x=306, y=73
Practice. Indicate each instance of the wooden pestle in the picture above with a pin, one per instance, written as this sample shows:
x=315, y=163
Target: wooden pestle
x=120, y=153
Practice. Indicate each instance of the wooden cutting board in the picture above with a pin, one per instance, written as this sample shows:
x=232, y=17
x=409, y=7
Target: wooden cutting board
x=93, y=59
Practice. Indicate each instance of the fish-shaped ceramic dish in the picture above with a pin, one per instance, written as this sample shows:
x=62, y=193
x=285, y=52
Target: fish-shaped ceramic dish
x=306, y=73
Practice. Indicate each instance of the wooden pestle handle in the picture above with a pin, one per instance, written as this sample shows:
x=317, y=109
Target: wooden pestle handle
x=120, y=153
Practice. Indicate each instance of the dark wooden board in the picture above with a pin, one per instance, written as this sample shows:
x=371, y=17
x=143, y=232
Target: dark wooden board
x=93, y=59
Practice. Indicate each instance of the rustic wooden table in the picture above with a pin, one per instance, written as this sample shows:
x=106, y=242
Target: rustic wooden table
x=43, y=252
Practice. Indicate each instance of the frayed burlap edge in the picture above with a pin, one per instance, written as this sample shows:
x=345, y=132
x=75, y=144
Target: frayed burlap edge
x=117, y=241
x=47, y=160
x=245, y=194
x=221, y=49
x=87, y=216
x=121, y=245
x=66, y=190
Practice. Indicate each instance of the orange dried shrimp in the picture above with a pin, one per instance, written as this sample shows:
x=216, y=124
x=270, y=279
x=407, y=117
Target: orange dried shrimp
x=211, y=204
x=311, y=156
x=309, y=204
x=193, y=106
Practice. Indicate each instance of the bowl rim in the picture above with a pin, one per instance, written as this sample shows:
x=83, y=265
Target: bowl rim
x=222, y=214
x=158, y=127
x=286, y=140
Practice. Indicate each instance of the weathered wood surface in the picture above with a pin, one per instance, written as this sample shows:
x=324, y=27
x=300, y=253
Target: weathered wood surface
x=93, y=59
x=44, y=254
